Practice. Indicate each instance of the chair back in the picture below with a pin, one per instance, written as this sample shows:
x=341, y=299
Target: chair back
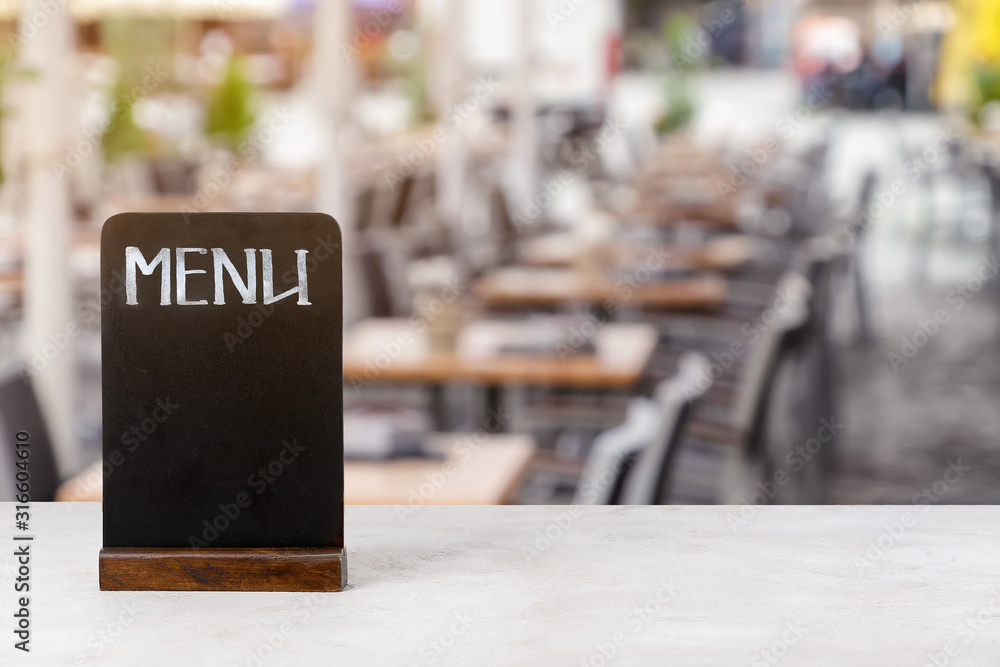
x=403, y=203
x=790, y=313
x=365, y=203
x=631, y=463
x=373, y=267
x=20, y=411
x=615, y=451
x=649, y=478
x=818, y=258
x=501, y=221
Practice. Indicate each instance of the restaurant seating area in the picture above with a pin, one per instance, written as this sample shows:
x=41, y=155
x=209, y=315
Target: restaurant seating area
x=681, y=354
x=619, y=294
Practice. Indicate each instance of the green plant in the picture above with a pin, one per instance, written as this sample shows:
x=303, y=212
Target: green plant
x=230, y=107
x=136, y=45
x=122, y=136
x=986, y=88
x=677, y=31
x=680, y=105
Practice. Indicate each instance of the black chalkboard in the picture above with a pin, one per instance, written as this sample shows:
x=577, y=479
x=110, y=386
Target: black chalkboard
x=222, y=380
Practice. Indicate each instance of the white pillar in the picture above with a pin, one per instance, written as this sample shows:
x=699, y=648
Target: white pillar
x=49, y=326
x=523, y=128
x=450, y=160
x=333, y=82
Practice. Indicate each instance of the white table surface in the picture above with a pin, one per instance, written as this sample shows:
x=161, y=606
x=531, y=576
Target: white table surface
x=456, y=586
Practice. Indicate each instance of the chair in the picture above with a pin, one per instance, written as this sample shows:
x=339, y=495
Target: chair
x=507, y=232
x=820, y=257
x=403, y=203
x=20, y=411
x=753, y=394
x=503, y=226
x=813, y=361
x=173, y=176
x=791, y=358
x=614, y=452
x=745, y=428
x=648, y=481
x=796, y=347
x=416, y=190
x=992, y=173
x=631, y=463
x=380, y=293
x=365, y=206
x=865, y=197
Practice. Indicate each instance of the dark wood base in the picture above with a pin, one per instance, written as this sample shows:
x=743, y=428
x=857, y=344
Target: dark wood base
x=142, y=569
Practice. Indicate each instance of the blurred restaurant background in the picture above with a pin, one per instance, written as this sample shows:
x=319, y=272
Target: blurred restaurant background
x=595, y=251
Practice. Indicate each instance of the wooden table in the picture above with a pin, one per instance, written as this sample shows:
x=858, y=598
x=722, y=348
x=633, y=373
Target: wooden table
x=478, y=469
x=682, y=184
x=396, y=350
x=554, y=585
x=12, y=282
x=520, y=286
x=564, y=250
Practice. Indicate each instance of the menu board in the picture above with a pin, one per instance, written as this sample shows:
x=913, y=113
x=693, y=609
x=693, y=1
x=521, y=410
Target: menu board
x=222, y=381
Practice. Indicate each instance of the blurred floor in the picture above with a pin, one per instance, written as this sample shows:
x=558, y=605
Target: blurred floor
x=903, y=429
x=906, y=427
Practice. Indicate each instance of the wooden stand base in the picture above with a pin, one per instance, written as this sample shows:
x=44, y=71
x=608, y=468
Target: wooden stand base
x=142, y=569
